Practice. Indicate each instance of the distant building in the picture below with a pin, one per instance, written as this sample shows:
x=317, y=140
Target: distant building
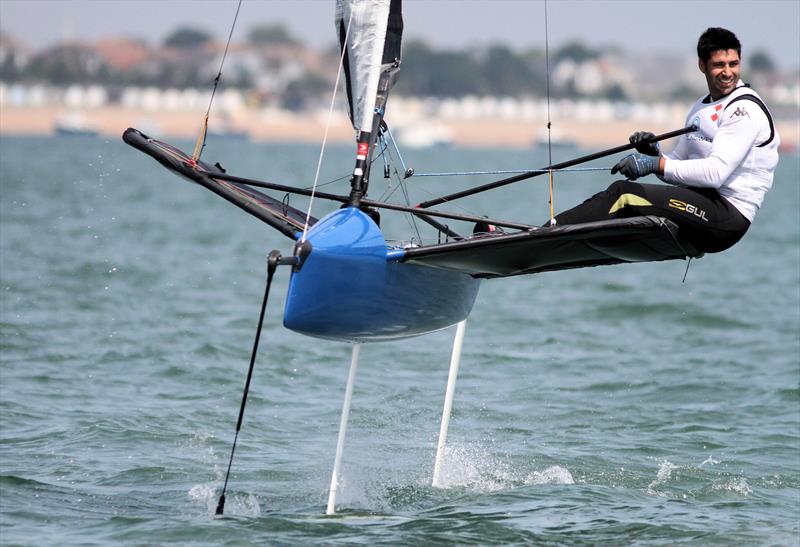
x=123, y=54
x=14, y=58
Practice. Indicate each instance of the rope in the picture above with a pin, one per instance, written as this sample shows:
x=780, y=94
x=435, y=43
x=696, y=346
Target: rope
x=201, y=138
x=327, y=127
x=389, y=161
x=396, y=149
x=508, y=171
x=552, y=213
x=688, y=263
x=549, y=123
x=410, y=219
x=401, y=181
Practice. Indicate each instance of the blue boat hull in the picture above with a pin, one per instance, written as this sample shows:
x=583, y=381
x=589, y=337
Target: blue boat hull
x=352, y=288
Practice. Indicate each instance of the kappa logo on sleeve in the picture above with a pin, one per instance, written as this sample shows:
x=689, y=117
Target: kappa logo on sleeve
x=741, y=112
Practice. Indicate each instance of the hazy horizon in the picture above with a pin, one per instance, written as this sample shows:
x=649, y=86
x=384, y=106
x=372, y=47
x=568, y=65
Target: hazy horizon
x=672, y=26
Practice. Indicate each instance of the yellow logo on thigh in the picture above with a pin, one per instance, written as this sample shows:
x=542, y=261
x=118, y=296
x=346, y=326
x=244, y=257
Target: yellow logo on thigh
x=688, y=208
x=628, y=199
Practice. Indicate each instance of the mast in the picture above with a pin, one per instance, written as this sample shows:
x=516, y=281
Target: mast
x=370, y=35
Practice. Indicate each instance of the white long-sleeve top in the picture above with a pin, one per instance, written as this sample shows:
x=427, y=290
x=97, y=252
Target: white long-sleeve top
x=735, y=150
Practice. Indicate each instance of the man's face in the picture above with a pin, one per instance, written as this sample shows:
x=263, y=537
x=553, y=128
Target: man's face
x=722, y=72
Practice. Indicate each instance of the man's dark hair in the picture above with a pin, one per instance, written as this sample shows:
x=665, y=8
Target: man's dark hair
x=715, y=39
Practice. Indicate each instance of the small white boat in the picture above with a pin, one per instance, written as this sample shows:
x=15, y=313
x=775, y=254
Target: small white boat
x=423, y=135
x=225, y=128
x=74, y=124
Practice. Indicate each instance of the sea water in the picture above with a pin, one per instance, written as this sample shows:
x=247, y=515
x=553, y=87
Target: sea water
x=613, y=405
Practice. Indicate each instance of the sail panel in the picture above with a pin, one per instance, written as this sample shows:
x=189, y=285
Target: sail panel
x=394, y=33
x=368, y=21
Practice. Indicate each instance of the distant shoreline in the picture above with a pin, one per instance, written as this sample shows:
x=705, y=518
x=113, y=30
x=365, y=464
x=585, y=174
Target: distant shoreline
x=280, y=126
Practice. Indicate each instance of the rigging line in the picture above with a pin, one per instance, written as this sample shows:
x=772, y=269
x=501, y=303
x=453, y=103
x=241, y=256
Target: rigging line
x=552, y=213
x=397, y=149
x=332, y=181
x=547, y=81
x=549, y=121
x=387, y=159
x=689, y=263
x=201, y=138
x=561, y=165
x=458, y=206
x=386, y=153
x=508, y=171
x=401, y=180
x=411, y=219
x=327, y=127
x=404, y=188
x=407, y=172
x=389, y=192
x=417, y=210
x=386, y=169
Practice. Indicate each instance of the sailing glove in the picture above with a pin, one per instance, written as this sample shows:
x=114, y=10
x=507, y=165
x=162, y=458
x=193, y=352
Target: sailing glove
x=634, y=166
x=650, y=148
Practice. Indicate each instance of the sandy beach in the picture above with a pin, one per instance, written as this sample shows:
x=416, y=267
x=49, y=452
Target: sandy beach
x=274, y=126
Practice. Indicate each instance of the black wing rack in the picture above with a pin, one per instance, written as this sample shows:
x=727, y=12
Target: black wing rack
x=639, y=239
x=277, y=214
x=532, y=250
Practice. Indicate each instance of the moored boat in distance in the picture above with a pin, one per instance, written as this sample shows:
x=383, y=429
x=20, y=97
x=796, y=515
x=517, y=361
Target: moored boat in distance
x=423, y=135
x=74, y=124
x=224, y=128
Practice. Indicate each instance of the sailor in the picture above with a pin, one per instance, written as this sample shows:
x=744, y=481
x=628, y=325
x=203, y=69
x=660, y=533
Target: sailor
x=717, y=176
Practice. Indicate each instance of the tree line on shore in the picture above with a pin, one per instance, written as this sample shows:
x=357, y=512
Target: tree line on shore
x=188, y=57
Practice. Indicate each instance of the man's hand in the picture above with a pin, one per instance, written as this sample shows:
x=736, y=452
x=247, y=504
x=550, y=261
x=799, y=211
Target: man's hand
x=649, y=148
x=634, y=166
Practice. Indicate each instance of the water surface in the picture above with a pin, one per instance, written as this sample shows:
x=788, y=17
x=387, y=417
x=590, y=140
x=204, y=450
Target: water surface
x=606, y=405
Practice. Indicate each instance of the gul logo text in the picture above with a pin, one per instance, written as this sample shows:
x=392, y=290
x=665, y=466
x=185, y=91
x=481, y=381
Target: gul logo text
x=688, y=207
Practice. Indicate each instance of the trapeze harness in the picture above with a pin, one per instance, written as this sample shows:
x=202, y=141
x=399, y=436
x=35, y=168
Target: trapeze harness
x=717, y=176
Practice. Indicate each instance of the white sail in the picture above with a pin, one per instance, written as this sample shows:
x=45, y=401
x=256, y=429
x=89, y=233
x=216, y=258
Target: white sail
x=363, y=43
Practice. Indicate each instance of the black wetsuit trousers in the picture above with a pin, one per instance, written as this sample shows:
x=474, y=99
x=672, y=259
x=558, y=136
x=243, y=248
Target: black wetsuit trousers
x=705, y=219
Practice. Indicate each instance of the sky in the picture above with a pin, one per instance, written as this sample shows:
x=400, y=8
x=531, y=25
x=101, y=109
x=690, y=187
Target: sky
x=647, y=25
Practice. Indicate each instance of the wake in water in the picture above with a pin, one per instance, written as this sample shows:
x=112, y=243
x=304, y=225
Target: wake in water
x=238, y=505
x=468, y=469
x=473, y=467
x=674, y=481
